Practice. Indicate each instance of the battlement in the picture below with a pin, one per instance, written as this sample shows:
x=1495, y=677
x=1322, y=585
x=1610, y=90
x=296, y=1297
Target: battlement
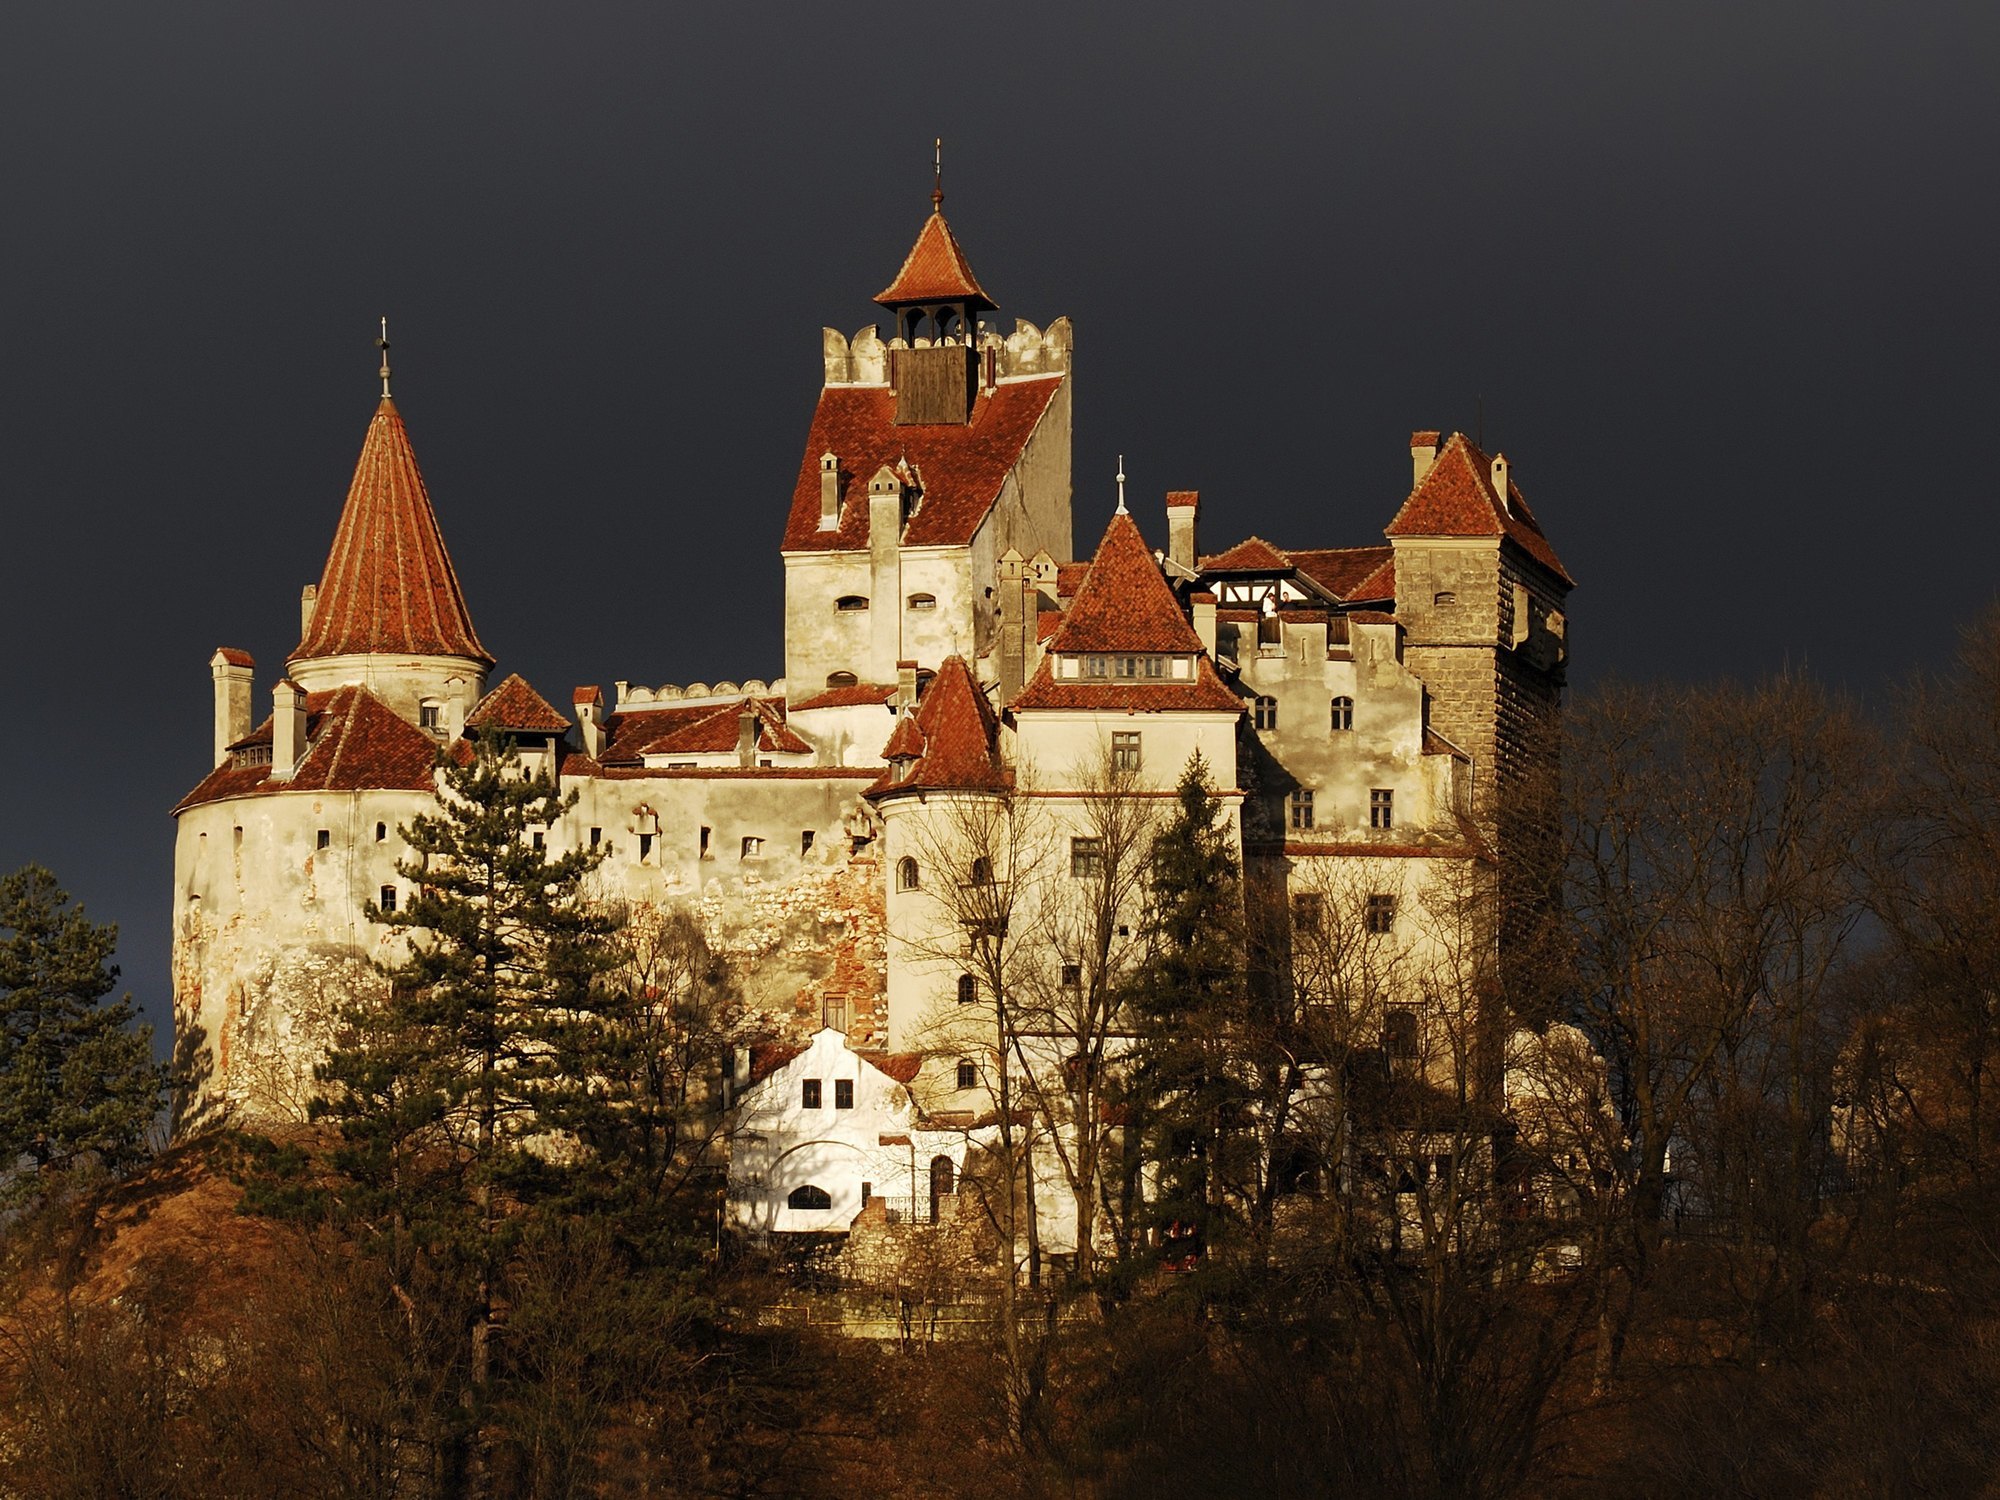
x=1025, y=354
x=631, y=697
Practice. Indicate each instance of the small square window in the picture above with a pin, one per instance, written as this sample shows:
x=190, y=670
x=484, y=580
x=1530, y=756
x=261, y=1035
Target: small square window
x=1399, y=1032
x=325, y=839
x=381, y=833
x=1097, y=666
x=1264, y=712
x=1343, y=714
x=809, y=1094
x=430, y=716
x=806, y=842
x=596, y=837
x=968, y=1074
x=386, y=898
x=1381, y=914
x=1125, y=750
x=1072, y=976
x=843, y=1093
x=1302, y=808
x=1306, y=912
x=540, y=839
x=1381, y=808
x=1086, y=858
x=753, y=847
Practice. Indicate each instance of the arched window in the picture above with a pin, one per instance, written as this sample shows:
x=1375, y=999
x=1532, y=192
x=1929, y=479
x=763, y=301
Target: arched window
x=944, y=1182
x=982, y=871
x=809, y=1197
x=923, y=601
x=840, y=679
x=906, y=874
x=1343, y=714
x=923, y=682
x=968, y=989
x=847, y=602
x=968, y=1073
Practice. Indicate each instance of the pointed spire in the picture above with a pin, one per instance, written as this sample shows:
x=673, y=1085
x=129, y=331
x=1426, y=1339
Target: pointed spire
x=389, y=587
x=936, y=269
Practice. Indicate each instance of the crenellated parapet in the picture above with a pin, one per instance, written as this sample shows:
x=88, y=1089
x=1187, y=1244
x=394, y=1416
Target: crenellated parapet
x=630, y=695
x=1028, y=352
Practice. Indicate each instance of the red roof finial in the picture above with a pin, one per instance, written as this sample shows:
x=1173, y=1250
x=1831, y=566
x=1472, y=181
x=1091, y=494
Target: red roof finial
x=937, y=175
x=382, y=343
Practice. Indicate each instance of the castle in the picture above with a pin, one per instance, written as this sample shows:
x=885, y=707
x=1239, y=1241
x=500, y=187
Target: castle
x=1359, y=709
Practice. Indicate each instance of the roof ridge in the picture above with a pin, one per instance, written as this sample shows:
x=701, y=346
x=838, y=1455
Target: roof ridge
x=1124, y=602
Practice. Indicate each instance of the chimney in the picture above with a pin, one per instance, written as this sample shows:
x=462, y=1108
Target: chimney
x=288, y=728
x=1500, y=483
x=1423, y=453
x=747, y=724
x=233, y=671
x=1204, y=621
x=906, y=684
x=1182, y=506
x=589, y=705
x=829, y=492
x=1014, y=638
x=308, y=602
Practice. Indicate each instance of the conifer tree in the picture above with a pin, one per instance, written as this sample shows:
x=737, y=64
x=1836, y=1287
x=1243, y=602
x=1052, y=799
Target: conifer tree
x=77, y=1078
x=1186, y=999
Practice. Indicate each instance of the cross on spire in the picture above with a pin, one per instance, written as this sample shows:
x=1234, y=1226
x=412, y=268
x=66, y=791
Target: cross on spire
x=382, y=343
x=1121, y=486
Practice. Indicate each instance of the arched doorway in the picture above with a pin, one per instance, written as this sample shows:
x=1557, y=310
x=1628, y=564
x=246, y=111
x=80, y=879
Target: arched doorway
x=943, y=1182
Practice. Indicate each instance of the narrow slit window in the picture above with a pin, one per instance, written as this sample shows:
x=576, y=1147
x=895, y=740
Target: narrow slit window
x=849, y=603
x=325, y=838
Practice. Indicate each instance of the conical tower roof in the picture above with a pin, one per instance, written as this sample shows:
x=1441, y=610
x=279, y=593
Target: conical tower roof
x=389, y=588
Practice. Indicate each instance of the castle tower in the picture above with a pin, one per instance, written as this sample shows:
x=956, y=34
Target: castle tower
x=388, y=613
x=929, y=457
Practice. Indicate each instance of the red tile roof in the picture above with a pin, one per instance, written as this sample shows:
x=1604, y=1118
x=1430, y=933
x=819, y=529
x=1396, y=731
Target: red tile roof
x=1124, y=603
x=960, y=738
x=861, y=695
x=962, y=467
x=1456, y=499
x=720, y=731
x=906, y=742
x=356, y=743
x=515, y=705
x=935, y=270
x=1251, y=555
x=638, y=732
x=1348, y=572
x=1205, y=692
x=583, y=695
x=1047, y=623
x=1069, y=578
x=389, y=587
x=901, y=1066
x=235, y=657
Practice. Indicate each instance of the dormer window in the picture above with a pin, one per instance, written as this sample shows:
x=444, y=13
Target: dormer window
x=841, y=679
x=848, y=603
x=923, y=601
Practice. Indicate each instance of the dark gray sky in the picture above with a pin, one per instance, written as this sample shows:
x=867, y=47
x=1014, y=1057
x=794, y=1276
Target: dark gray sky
x=1723, y=275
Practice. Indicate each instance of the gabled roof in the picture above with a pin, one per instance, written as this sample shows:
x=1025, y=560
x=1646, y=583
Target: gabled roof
x=1350, y=572
x=860, y=695
x=935, y=270
x=963, y=466
x=959, y=738
x=1456, y=498
x=355, y=741
x=515, y=705
x=389, y=587
x=719, y=731
x=1124, y=603
x=1251, y=555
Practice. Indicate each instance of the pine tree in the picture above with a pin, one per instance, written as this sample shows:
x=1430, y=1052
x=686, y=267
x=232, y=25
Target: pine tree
x=1186, y=1000
x=77, y=1078
x=437, y=1091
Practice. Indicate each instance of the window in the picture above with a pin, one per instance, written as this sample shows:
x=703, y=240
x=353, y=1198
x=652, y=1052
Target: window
x=1096, y=666
x=848, y=603
x=1444, y=598
x=1343, y=714
x=968, y=1073
x=806, y=842
x=1306, y=911
x=1086, y=858
x=753, y=847
x=596, y=837
x=1399, y=1032
x=539, y=839
x=1264, y=713
x=843, y=1093
x=907, y=878
x=1380, y=915
x=325, y=838
x=703, y=849
x=809, y=1197
x=645, y=847
x=381, y=832
x=430, y=716
x=968, y=989
x=841, y=679
x=982, y=871
x=809, y=1094
x=1270, y=630
x=923, y=601
x=1302, y=808
x=1125, y=750
x=833, y=1012
x=387, y=898
x=1381, y=808
x=867, y=1193
x=1072, y=976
